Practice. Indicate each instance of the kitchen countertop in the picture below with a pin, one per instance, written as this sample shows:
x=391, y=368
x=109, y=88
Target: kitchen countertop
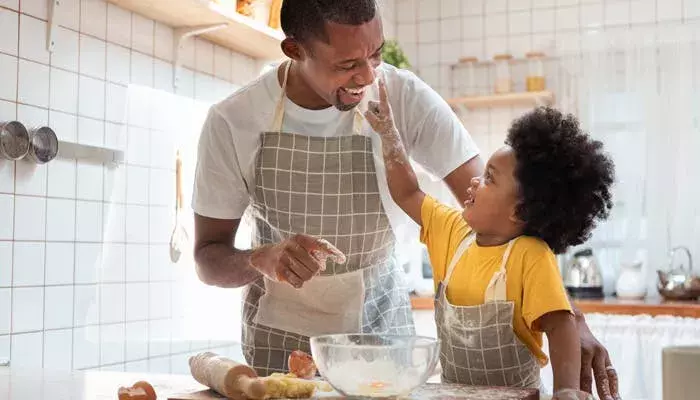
x=38, y=384
x=611, y=305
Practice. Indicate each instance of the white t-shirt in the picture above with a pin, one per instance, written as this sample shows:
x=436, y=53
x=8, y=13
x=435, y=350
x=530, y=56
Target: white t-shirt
x=230, y=139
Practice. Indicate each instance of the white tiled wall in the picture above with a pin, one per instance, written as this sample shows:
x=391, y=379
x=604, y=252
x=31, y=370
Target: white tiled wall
x=436, y=33
x=388, y=17
x=85, y=276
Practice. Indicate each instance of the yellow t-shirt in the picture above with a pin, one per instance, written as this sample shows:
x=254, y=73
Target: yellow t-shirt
x=533, y=279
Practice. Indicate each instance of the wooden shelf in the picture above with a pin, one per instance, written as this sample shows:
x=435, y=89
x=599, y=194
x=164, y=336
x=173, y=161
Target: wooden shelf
x=491, y=63
x=242, y=34
x=504, y=100
x=77, y=151
x=612, y=305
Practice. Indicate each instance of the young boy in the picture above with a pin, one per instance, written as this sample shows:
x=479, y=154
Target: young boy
x=498, y=283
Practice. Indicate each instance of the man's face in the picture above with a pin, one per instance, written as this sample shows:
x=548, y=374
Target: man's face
x=339, y=71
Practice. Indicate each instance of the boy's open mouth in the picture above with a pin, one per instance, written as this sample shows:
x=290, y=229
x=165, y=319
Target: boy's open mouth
x=470, y=199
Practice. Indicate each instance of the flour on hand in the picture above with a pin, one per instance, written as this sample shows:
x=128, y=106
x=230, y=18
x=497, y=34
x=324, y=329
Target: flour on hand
x=381, y=118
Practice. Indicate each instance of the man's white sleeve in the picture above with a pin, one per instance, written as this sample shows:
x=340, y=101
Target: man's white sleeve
x=219, y=188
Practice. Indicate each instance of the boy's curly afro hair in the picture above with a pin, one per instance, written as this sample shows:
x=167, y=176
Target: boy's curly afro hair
x=564, y=176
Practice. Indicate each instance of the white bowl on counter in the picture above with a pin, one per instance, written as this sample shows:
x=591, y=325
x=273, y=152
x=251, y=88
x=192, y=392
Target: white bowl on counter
x=369, y=365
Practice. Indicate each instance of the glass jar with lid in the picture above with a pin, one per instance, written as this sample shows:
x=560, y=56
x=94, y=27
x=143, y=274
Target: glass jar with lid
x=535, y=81
x=504, y=82
x=467, y=83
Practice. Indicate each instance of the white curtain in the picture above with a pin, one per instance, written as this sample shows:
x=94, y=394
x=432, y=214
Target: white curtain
x=638, y=92
x=635, y=344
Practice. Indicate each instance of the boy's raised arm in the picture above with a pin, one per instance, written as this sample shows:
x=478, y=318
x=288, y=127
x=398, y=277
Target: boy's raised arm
x=402, y=181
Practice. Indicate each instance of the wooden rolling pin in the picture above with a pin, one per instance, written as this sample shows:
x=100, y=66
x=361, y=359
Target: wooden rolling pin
x=226, y=377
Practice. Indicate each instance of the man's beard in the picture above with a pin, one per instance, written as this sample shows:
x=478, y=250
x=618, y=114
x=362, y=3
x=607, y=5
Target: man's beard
x=342, y=106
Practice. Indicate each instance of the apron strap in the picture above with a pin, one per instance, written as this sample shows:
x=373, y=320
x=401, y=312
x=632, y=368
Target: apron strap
x=461, y=249
x=279, y=109
x=496, y=290
x=278, y=118
x=357, y=119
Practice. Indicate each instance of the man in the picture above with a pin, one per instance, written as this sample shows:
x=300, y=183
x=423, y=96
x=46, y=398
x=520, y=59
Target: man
x=294, y=149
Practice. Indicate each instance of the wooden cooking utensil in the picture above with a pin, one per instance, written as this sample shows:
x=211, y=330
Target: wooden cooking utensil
x=179, y=238
x=200, y=395
x=226, y=376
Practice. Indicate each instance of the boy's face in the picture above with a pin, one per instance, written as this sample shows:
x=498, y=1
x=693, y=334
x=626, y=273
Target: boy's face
x=493, y=197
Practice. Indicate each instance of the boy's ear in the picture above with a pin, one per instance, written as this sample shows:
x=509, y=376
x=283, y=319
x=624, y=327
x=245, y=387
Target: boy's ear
x=513, y=217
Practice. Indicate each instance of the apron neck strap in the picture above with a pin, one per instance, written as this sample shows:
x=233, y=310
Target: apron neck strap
x=496, y=289
x=279, y=109
x=461, y=249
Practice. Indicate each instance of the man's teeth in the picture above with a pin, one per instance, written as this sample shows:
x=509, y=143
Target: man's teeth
x=354, y=91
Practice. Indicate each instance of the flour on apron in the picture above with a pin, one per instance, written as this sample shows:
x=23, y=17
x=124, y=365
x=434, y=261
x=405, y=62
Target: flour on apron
x=324, y=187
x=478, y=345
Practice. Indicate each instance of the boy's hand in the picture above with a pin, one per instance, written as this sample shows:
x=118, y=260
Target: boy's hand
x=402, y=181
x=380, y=116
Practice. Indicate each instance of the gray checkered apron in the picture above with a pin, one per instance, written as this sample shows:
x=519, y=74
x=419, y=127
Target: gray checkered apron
x=325, y=187
x=478, y=345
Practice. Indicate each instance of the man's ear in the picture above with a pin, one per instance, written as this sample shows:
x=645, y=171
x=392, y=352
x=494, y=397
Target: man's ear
x=292, y=49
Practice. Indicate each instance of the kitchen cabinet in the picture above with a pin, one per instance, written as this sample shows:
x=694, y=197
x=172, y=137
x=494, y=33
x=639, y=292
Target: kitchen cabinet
x=214, y=21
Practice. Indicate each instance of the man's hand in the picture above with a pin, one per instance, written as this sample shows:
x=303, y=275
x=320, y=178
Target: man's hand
x=595, y=361
x=295, y=260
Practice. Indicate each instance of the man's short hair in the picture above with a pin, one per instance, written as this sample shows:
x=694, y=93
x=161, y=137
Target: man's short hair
x=305, y=19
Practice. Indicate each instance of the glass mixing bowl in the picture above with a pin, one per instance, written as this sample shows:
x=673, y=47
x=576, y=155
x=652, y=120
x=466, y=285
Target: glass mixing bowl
x=368, y=365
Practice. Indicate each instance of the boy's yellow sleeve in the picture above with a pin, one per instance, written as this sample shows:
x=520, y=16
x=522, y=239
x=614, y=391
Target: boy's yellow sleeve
x=543, y=289
x=442, y=229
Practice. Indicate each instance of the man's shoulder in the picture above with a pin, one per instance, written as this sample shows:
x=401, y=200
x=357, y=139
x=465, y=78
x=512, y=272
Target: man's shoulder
x=249, y=100
x=408, y=89
x=398, y=79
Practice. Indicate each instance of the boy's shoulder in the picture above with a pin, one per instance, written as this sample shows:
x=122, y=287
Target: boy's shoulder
x=533, y=248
